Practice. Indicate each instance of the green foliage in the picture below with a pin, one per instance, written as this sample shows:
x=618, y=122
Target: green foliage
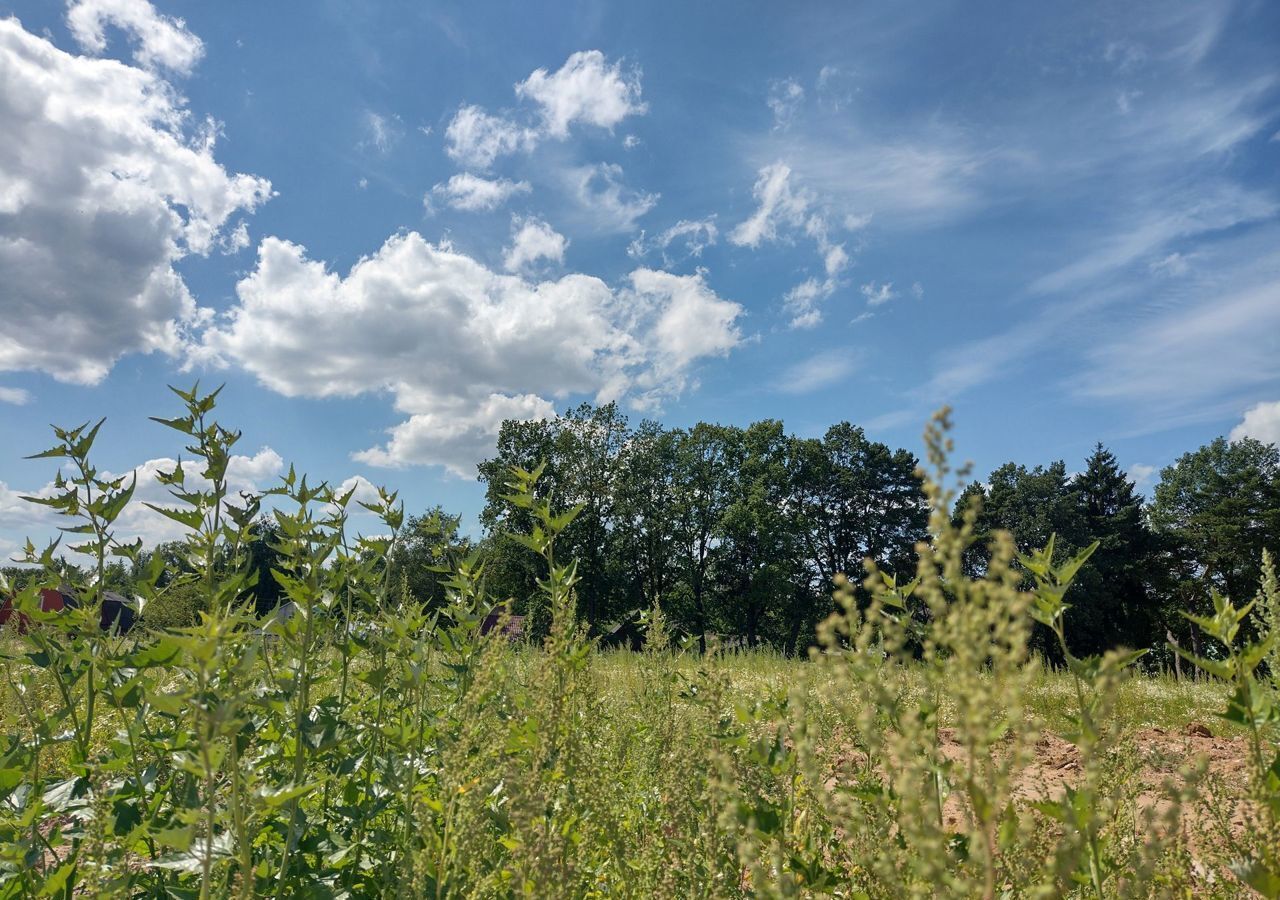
x=364, y=739
x=1218, y=509
x=1255, y=705
x=733, y=530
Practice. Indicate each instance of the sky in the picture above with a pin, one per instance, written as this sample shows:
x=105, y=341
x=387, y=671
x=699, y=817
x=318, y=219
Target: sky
x=388, y=226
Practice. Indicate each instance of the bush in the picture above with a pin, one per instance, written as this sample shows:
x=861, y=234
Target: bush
x=177, y=606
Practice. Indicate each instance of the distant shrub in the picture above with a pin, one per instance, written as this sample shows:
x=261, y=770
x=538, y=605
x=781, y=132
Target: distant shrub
x=177, y=606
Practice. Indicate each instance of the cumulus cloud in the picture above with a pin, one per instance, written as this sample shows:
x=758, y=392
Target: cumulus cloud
x=16, y=396
x=611, y=204
x=104, y=186
x=1260, y=422
x=456, y=434
x=783, y=208
x=690, y=322
x=244, y=473
x=533, y=240
x=362, y=490
x=586, y=89
x=158, y=40
x=472, y=193
x=461, y=347
x=474, y=138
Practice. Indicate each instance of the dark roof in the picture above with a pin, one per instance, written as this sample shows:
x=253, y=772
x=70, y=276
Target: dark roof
x=511, y=626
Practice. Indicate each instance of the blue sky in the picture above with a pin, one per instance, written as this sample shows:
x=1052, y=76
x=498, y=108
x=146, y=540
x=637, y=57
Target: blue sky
x=388, y=226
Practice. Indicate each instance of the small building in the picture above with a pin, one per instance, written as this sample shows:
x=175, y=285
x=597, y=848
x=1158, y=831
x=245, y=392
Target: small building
x=117, y=615
x=628, y=634
x=501, y=619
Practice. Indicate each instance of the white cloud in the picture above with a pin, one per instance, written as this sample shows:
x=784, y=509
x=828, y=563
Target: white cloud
x=104, y=186
x=532, y=240
x=381, y=132
x=587, y=89
x=693, y=236
x=461, y=347
x=691, y=322
x=602, y=195
x=456, y=435
x=819, y=371
x=920, y=180
x=1203, y=349
x=782, y=210
x=781, y=207
x=235, y=240
x=16, y=396
x=1261, y=422
x=836, y=87
x=472, y=193
x=475, y=139
x=630, y=142
x=362, y=491
x=1172, y=264
x=1211, y=207
x=1142, y=476
x=244, y=473
x=879, y=294
x=158, y=40
x=777, y=204
x=1124, y=101
x=802, y=301
x=785, y=97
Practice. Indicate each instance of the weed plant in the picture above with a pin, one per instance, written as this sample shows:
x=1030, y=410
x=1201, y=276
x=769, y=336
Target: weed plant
x=369, y=746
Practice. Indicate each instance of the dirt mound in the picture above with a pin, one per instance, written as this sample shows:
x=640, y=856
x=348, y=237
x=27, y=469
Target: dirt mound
x=1157, y=757
x=1163, y=753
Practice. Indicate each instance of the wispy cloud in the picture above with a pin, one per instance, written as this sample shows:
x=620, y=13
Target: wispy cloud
x=784, y=100
x=820, y=371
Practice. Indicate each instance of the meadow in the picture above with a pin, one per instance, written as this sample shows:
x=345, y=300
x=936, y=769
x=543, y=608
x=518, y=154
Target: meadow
x=371, y=746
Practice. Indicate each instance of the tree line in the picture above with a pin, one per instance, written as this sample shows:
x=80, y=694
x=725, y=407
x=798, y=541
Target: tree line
x=740, y=531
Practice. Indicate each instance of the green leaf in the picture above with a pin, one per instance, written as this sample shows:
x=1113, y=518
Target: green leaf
x=275, y=799
x=57, y=882
x=1255, y=874
x=191, y=518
